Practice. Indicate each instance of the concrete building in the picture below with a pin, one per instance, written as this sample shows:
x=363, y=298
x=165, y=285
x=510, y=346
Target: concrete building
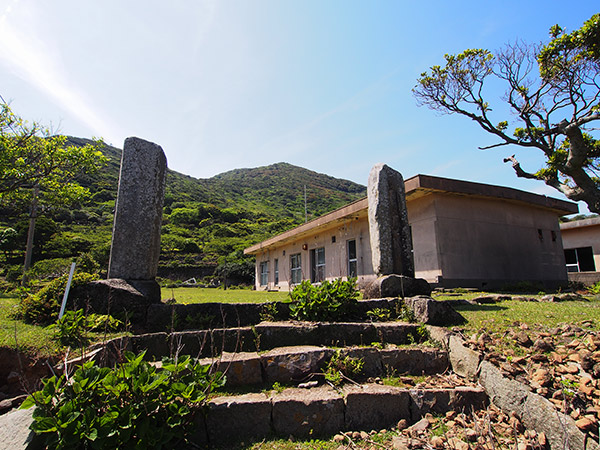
x=581, y=241
x=464, y=234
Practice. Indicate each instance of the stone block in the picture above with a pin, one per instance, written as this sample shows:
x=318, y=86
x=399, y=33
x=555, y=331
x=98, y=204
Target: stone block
x=434, y=401
x=238, y=417
x=239, y=368
x=375, y=407
x=306, y=413
x=288, y=364
x=15, y=433
x=464, y=361
x=373, y=367
x=414, y=361
x=433, y=312
x=396, y=286
x=467, y=398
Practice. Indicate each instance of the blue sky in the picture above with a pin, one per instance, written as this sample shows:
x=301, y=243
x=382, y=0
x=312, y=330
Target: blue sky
x=227, y=84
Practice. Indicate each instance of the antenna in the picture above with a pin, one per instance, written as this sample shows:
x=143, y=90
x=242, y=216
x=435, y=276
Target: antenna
x=305, y=210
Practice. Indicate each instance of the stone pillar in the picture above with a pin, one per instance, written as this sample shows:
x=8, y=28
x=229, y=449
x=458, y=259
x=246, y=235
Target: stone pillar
x=391, y=243
x=135, y=244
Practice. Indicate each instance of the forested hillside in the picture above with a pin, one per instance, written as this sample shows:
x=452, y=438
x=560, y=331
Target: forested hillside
x=206, y=222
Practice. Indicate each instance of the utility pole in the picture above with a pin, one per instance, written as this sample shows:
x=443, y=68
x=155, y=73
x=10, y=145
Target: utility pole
x=305, y=210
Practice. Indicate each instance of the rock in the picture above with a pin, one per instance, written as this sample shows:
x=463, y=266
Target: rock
x=391, y=243
x=419, y=427
x=458, y=444
x=437, y=442
x=471, y=435
x=400, y=443
x=542, y=345
x=392, y=285
x=402, y=424
x=464, y=361
x=15, y=433
x=585, y=424
x=376, y=406
x=286, y=364
x=542, y=377
x=338, y=438
x=433, y=312
x=523, y=339
x=364, y=435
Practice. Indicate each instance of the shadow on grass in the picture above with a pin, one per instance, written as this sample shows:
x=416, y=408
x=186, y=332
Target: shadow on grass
x=478, y=307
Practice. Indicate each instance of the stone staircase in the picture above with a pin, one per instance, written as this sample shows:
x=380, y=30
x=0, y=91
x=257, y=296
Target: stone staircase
x=276, y=384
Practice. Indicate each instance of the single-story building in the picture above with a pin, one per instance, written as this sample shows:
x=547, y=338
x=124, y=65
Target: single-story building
x=581, y=242
x=464, y=234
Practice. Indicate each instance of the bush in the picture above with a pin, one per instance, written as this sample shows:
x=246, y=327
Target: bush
x=134, y=405
x=42, y=308
x=73, y=327
x=329, y=301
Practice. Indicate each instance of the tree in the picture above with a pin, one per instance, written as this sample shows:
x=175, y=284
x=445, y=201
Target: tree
x=39, y=170
x=553, y=92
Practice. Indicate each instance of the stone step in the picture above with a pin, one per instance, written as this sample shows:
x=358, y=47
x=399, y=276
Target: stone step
x=265, y=336
x=299, y=363
x=324, y=411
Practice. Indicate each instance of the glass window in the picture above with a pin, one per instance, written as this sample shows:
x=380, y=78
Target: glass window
x=580, y=259
x=264, y=273
x=296, y=268
x=276, y=271
x=352, y=260
x=317, y=262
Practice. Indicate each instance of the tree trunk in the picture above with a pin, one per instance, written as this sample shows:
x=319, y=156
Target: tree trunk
x=30, y=234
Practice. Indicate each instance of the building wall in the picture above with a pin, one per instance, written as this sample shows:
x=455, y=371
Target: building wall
x=587, y=236
x=458, y=241
x=336, y=255
x=484, y=242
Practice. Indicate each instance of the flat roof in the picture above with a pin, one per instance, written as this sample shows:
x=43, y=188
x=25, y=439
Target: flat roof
x=416, y=187
x=592, y=221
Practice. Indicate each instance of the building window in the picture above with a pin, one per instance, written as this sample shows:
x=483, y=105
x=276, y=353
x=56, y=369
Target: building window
x=264, y=273
x=352, y=273
x=276, y=271
x=296, y=268
x=580, y=259
x=317, y=265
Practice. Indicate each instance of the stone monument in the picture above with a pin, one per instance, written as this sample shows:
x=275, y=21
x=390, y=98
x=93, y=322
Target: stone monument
x=391, y=241
x=135, y=244
x=131, y=286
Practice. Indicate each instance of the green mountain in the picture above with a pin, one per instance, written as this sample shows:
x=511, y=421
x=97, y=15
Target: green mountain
x=206, y=222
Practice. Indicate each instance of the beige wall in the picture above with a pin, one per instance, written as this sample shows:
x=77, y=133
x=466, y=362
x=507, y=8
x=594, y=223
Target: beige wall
x=458, y=240
x=484, y=242
x=586, y=236
x=336, y=265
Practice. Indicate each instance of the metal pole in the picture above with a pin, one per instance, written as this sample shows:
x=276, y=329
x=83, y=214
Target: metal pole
x=64, y=301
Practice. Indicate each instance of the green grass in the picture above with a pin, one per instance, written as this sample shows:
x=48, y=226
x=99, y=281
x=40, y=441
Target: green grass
x=209, y=295
x=501, y=316
x=31, y=339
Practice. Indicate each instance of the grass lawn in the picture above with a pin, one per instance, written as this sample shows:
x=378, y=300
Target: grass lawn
x=31, y=339
x=209, y=295
x=501, y=316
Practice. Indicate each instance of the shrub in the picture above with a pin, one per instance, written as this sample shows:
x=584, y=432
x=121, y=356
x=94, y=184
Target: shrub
x=135, y=405
x=43, y=307
x=74, y=326
x=329, y=301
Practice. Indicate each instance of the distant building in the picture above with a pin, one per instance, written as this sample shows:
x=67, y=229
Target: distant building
x=464, y=234
x=581, y=241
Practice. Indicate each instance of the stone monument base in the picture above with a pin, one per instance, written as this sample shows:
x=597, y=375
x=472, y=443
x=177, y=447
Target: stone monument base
x=117, y=297
x=397, y=286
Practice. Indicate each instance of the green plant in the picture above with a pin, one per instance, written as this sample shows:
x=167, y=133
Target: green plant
x=135, y=405
x=43, y=307
x=73, y=327
x=404, y=312
x=594, y=289
x=379, y=315
x=340, y=367
x=268, y=312
x=329, y=301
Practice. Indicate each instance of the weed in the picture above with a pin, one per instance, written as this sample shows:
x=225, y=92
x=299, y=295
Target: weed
x=340, y=367
x=268, y=312
x=404, y=312
x=329, y=301
x=379, y=315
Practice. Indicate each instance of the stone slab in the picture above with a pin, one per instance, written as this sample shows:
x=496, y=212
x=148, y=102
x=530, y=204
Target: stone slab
x=238, y=417
x=15, y=433
x=375, y=407
x=287, y=364
x=414, y=361
x=306, y=413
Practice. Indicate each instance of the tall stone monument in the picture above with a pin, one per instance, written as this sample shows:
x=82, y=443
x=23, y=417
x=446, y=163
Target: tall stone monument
x=135, y=244
x=131, y=286
x=391, y=243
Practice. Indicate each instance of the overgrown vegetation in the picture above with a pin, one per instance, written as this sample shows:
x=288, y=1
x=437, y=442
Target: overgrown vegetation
x=331, y=300
x=135, y=405
x=74, y=327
